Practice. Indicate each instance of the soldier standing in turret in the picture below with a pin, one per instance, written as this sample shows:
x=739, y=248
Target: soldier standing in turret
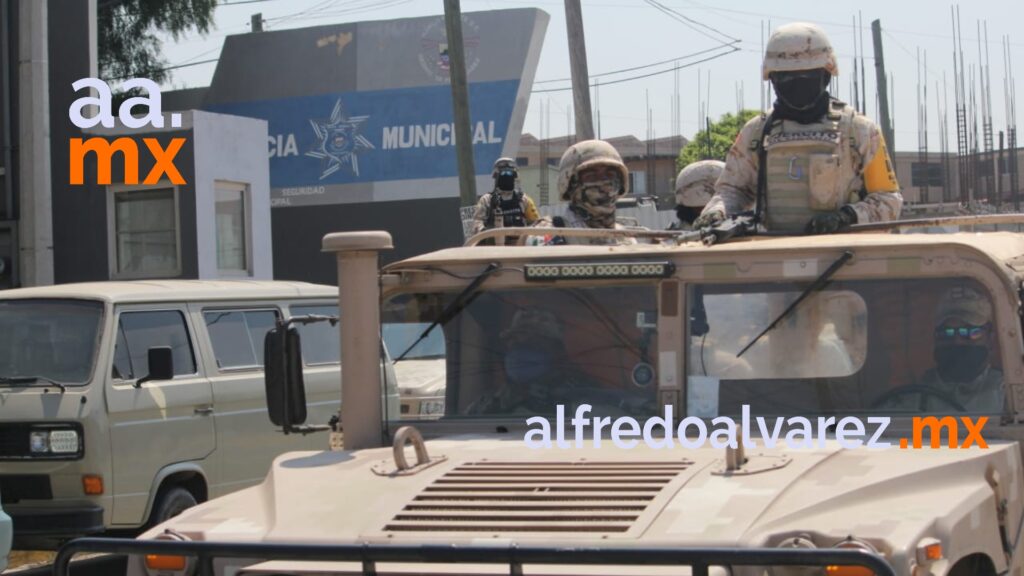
x=591, y=177
x=813, y=165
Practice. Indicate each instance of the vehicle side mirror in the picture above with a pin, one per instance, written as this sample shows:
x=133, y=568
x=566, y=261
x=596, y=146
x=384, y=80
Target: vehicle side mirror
x=161, y=365
x=286, y=391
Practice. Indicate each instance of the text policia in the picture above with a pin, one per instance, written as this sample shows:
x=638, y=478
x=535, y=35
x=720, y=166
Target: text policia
x=101, y=105
x=692, y=432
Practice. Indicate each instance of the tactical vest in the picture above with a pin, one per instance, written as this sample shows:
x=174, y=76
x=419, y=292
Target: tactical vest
x=810, y=169
x=512, y=210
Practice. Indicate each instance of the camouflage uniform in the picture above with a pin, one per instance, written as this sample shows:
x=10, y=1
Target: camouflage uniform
x=516, y=208
x=826, y=166
x=858, y=160
x=572, y=219
x=591, y=205
x=984, y=392
x=536, y=332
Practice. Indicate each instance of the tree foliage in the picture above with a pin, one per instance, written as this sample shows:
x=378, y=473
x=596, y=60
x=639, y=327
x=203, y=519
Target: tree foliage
x=723, y=134
x=129, y=42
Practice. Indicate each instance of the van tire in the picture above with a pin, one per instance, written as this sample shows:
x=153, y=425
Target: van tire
x=170, y=502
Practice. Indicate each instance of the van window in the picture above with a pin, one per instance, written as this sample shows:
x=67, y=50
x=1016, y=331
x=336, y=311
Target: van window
x=137, y=332
x=53, y=339
x=237, y=336
x=320, y=344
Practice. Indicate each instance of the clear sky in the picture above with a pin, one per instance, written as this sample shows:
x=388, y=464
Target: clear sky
x=623, y=34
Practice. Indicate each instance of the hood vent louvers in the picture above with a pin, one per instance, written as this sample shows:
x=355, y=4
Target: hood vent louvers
x=524, y=497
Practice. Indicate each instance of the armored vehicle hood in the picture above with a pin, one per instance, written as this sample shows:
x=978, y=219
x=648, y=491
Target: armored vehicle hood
x=499, y=491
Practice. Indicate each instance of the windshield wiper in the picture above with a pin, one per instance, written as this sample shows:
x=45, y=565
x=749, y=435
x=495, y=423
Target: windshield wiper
x=464, y=298
x=818, y=284
x=32, y=379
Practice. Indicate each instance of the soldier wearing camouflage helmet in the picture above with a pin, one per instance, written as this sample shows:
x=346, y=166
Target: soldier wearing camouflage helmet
x=506, y=205
x=962, y=352
x=591, y=178
x=534, y=362
x=695, y=185
x=813, y=165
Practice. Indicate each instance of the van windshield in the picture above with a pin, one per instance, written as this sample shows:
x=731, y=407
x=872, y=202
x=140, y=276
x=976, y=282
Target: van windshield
x=48, y=340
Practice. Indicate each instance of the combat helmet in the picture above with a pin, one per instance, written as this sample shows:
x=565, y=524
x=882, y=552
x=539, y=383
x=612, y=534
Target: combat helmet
x=695, y=184
x=583, y=155
x=798, y=46
x=504, y=162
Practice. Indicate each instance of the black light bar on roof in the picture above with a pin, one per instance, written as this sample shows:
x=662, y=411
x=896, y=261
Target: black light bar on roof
x=598, y=270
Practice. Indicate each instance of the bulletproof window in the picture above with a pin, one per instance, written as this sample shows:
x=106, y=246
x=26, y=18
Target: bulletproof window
x=237, y=336
x=140, y=331
x=320, y=340
x=894, y=346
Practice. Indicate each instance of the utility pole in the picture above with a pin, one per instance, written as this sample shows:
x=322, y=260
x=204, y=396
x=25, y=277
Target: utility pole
x=460, y=102
x=35, y=207
x=256, y=22
x=883, y=101
x=580, y=78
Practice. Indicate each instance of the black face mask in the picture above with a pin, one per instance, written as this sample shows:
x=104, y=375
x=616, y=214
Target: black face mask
x=506, y=182
x=960, y=363
x=687, y=214
x=802, y=96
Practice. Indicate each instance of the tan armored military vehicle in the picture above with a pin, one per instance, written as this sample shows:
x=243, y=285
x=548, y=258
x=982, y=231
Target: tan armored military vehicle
x=810, y=344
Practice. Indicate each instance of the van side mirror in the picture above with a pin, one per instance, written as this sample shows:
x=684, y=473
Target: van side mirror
x=286, y=391
x=161, y=365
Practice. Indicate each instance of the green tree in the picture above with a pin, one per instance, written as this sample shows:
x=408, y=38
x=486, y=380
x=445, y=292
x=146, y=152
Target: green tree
x=723, y=134
x=129, y=45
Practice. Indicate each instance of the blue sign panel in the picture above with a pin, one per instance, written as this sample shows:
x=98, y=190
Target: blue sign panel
x=374, y=136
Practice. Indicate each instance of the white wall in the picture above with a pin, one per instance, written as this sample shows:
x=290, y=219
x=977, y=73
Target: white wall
x=233, y=149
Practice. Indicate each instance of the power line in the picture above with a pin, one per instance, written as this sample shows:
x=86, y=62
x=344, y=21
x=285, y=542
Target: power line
x=642, y=76
x=174, y=67
x=368, y=6
x=691, y=23
x=634, y=68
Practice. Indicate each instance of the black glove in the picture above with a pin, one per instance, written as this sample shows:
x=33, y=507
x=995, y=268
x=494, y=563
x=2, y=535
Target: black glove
x=830, y=222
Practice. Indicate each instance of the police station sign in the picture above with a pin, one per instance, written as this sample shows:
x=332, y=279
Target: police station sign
x=317, y=144
x=362, y=112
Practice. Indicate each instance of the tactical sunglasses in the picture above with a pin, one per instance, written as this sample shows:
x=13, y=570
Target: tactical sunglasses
x=968, y=332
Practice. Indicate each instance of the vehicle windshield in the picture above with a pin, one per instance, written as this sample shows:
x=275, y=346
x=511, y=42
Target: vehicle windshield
x=858, y=347
x=398, y=337
x=49, y=340
x=523, y=352
x=892, y=346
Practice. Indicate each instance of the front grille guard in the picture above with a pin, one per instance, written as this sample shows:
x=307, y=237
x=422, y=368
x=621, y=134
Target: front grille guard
x=699, y=559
